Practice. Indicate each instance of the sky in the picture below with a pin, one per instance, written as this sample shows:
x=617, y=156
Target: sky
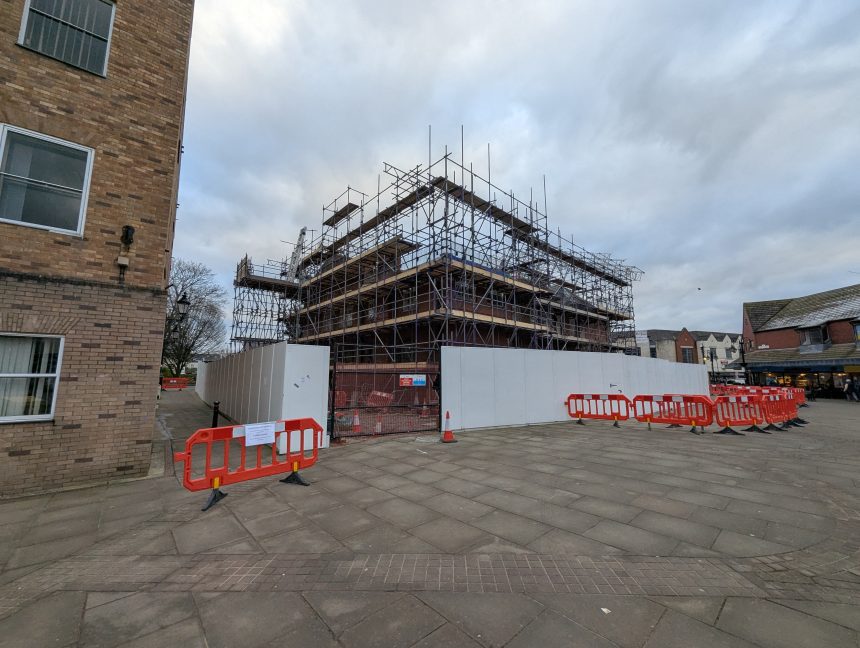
x=713, y=144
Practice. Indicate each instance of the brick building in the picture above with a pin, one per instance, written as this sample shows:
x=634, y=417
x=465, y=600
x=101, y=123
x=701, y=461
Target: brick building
x=811, y=341
x=92, y=99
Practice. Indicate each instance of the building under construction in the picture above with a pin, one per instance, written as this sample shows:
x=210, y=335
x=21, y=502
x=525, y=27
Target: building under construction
x=439, y=256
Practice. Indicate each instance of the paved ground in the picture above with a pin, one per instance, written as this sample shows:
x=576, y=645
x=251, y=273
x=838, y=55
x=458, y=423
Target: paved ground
x=553, y=535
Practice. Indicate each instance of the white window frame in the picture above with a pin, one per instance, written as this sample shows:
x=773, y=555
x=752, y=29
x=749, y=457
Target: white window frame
x=23, y=31
x=56, y=375
x=85, y=190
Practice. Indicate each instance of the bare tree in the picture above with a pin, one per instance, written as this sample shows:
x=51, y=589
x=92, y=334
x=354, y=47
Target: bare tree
x=202, y=328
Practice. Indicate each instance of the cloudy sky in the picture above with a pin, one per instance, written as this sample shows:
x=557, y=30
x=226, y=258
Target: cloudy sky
x=715, y=145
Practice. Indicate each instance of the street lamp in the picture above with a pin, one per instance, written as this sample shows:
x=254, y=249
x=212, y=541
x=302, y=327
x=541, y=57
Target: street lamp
x=182, y=305
x=174, y=319
x=743, y=344
x=712, y=353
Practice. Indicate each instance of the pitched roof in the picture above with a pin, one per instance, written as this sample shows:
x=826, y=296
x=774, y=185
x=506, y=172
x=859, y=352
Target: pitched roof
x=836, y=354
x=800, y=312
x=659, y=335
x=704, y=335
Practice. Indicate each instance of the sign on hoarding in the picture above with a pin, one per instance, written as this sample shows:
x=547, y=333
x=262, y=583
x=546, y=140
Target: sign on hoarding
x=413, y=380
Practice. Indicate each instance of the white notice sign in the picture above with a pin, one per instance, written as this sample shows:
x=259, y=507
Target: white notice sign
x=259, y=433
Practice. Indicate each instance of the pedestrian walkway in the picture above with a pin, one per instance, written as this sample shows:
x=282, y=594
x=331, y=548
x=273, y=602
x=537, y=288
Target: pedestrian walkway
x=555, y=535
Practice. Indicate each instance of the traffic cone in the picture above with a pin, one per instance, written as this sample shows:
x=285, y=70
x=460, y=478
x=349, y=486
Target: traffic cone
x=448, y=436
x=379, y=424
x=356, y=423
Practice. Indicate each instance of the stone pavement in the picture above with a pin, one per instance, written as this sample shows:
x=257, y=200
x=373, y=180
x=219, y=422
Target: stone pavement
x=557, y=534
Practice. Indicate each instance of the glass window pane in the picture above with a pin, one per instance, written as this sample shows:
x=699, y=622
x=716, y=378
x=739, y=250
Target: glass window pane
x=28, y=202
x=73, y=31
x=19, y=354
x=38, y=159
x=26, y=396
x=92, y=15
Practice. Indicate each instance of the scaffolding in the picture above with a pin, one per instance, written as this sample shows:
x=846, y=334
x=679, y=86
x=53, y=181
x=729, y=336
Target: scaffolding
x=429, y=261
x=438, y=256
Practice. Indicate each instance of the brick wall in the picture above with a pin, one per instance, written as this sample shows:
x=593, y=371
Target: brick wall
x=686, y=339
x=54, y=283
x=132, y=118
x=105, y=414
x=841, y=332
x=778, y=339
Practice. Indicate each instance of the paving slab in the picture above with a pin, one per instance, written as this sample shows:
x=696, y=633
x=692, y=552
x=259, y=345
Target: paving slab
x=220, y=527
x=553, y=629
x=451, y=536
x=775, y=626
x=492, y=619
x=342, y=610
x=457, y=507
x=131, y=617
x=251, y=619
x=701, y=608
x=737, y=544
x=562, y=542
x=676, y=630
x=52, y=621
x=626, y=620
x=343, y=521
x=686, y=530
x=740, y=523
x=273, y=524
x=839, y=613
x=306, y=539
x=399, y=625
x=516, y=528
x=606, y=509
x=403, y=513
x=187, y=634
x=633, y=539
x=447, y=636
x=49, y=551
x=386, y=538
x=366, y=496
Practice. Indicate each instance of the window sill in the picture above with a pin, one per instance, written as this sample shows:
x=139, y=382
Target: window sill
x=44, y=228
x=26, y=419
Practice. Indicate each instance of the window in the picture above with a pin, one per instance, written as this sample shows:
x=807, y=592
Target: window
x=687, y=354
x=43, y=181
x=29, y=372
x=811, y=336
x=76, y=32
x=857, y=332
x=653, y=350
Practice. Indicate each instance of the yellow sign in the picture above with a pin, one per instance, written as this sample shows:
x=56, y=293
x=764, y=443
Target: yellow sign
x=852, y=368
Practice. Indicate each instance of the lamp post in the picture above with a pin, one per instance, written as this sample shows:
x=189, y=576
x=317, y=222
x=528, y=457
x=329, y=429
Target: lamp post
x=711, y=373
x=743, y=344
x=176, y=317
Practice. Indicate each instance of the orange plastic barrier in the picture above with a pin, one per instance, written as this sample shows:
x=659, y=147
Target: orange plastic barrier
x=778, y=411
x=174, y=383
x=738, y=410
x=250, y=462
x=674, y=409
x=602, y=407
x=379, y=399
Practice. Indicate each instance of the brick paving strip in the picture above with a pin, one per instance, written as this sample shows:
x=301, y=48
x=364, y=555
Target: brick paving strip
x=762, y=577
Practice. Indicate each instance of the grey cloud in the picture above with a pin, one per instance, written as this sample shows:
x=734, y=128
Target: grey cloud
x=712, y=144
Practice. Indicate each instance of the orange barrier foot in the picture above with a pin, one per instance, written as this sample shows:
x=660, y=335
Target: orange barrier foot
x=728, y=430
x=214, y=497
x=294, y=478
